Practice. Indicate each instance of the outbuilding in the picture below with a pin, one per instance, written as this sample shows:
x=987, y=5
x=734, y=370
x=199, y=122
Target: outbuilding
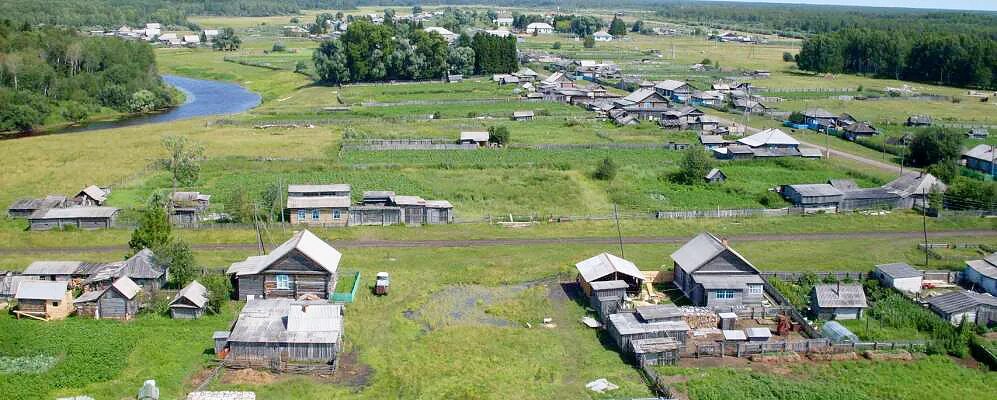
x=526, y=115
x=900, y=276
x=44, y=300
x=982, y=274
x=77, y=217
x=838, y=301
x=119, y=301
x=190, y=302
x=815, y=197
x=977, y=308
x=479, y=138
x=607, y=267
x=277, y=333
x=716, y=176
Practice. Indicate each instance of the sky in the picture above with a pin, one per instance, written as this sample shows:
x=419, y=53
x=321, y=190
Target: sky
x=987, y=5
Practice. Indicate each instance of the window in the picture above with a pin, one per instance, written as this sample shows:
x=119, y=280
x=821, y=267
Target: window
x=335, y=214
x=315, y=214
x=755, y=289
x=301, y=215
x=283, y=282
x=55, y=304
x=725, y=294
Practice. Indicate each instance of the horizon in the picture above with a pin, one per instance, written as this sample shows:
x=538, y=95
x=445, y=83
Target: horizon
x=951, y=5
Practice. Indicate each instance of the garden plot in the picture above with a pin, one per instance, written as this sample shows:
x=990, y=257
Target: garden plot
x=474, y=305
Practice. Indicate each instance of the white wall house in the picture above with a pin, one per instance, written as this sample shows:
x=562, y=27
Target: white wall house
x=900, y=276
x=539, y=28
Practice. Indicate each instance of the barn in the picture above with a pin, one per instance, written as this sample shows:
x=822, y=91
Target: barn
x=44, y=300
x=118, y=301
x=647, y=322
x=813, y=197
x=78, y=217
x=607, y=267
x=277, y=333
x=190, y=302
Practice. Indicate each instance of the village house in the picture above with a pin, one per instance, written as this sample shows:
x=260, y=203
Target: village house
x=43, y=300
x=674, y=90
x=843, y=195
x=980, y=158
x=838, y=301
x=715, y=176
x=711, y=142
x=526, y=115
x=479, y=138
x=748, y=105
x=982, y=274
x=190, y=302
x=709, y=98
x=143, y=269
x=539, y=28
x=767, y=143
x=302, y=266
x=23, y=208
x=819, y=119
x=602, y=36
x=918, y=120
x=623, y=118
x=322, y=210
x=644, y=103
x=712, y=274
x=976, y=308
x=76, y=217
x=558, y=79
x=277, y=333
x=119, y=301
x=858, y=130
x=444, y=32
x=187, y=208
x=336, y=189
x=607, y=267
x=526, y=75
x=503, y=21
x=899, y=276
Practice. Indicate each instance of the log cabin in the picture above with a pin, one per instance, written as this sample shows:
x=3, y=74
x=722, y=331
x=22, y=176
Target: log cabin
x=304, y=265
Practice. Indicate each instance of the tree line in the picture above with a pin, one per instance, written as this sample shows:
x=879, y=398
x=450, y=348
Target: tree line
x=953, y=59
x=372, y=52
x=54, y=74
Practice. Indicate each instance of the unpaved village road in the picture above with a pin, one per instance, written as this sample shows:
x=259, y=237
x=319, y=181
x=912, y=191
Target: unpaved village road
x=535, y=241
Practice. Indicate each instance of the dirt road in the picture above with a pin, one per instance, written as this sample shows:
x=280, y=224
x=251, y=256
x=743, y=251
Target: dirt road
x=530, y=241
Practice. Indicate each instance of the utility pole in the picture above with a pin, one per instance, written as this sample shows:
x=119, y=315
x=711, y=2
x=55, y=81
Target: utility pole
x=924, y=224
x=619, y=231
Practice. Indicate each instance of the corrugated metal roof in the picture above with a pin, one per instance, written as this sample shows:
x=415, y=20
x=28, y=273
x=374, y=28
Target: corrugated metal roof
x=983, y=267
x=53, y=268
x=263, y=321
x=769, y=137
x=669, y=84
x=816, y=190
x=899, y=270
x=126, y=287
x=605, y=264
x=41, y=290
x=335, y=187
x=318, y=202
x=194, y=292
x=954, y=302
x=836, y=295
x=75, y=212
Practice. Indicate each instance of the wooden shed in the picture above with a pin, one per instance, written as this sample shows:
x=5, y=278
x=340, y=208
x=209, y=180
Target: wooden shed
x=413, y=209
x=119, y=301
x=838, y=301
x=78, y=217
x=278, y=333
x=44, y=300
x=814, y=197
x=900, y=276
x=975, y=307
x=92, y=196
x=439, y=212
x=190, y=302
x=982, y=274
x=375, y=214
x=23, y=208
x=607, y=267
x=716, y=176
x=54, y=270
x=627, y=327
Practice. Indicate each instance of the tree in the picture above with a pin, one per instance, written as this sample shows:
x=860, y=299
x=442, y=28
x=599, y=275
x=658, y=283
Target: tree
x=278, y=47
x=178, y=256
x=797, y=117
x=498, y=135
x=588, y=42
x=142, y=101
x=300, y=67
x=606, y=170
x=788, y=57
x=694, y=166
x=416, y=9
x=461, y=60
x=75, y=112
x=330, y=62
x=585, y=25
x=617, y=27
x=219, y=291
x=934, y=145
x=153, y=229
x=638, y=26
x=227, y=40
x=183, y=160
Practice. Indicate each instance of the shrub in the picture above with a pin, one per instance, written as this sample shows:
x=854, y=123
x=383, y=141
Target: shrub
x=589, y=42
x=498, y=135
x=278, y=47
x=787, y=57
x=694, y=166
x=556, y=45
x=797, y=117
x=219, y=291
x=606, y=170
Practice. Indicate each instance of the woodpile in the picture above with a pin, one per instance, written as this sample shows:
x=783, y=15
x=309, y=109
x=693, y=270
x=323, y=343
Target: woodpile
x=903, y=355
x=833, y=357
x=776, y=358
x=700, y=317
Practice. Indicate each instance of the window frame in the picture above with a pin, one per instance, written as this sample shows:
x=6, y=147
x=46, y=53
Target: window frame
x=756, y=289
x=725, y=294
x=301, y=214
x=316, y=214
x=283, y=282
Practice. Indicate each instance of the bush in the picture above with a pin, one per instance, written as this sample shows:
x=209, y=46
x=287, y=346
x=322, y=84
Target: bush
x=694, y=166
x=589, y=42
x=797, y=117
x=935, y=145
x=787, y=57
x=606, y=170
x=498, y=135
x=279, y=47
x=219, y=291
x=556, y=45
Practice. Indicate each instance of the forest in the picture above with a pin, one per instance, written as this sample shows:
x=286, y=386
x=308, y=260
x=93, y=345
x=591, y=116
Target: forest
x=948, y=58
x=53, y=74
x=377, y=52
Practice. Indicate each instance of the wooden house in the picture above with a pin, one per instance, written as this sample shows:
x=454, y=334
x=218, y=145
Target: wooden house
x=276, y=333
x=44, y=300
x=976, y=308
x=302, y=266
x=190, y=302
x=647, y=322
x=716, y=176
x=747, y=105
x=838, y=301
x=645, y=103
x=335, y=189
x=23, y=208
x=734, y=152
x=982, y=274
x=919, y=120
x=119, y=301
x=858, y=130
x=142, y=269
x=558, y=79
x=813, y=197
x=54, y=270
x=712, y=274
x=91, y=196
x=819, y=119
x=319, y=210
x=900, y=276
x=607, y=267
x=771, y=139
x=980, y=158
x=526, y=115
x=708, y=98
x=674, y=90
x=77, y=217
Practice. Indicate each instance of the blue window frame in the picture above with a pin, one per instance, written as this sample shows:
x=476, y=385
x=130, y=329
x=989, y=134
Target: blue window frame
x=301, y=214
x=283, y=282
x=315, y=214
x=335, y=214
x=724, y=294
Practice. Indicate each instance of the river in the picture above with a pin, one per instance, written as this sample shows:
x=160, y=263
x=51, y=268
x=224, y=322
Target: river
x=203, y=97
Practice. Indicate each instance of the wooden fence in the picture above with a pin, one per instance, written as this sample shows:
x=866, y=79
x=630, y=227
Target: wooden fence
x=835, y=275
x=821, y=345
x=729, y=213
x=407, y=144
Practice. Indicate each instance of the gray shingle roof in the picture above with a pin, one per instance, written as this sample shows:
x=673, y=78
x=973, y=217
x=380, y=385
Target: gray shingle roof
x=912, y=183
x=835, y=295
x=899, y=270
x=305, y=242
x=816, y=190
x=95, y=193
x=75, y=212
x=318, y=202
x=628, y=324
x=608, y=285
x=605, y=264
x=954, y=302
x=126, y=287
x=284, y=321
x=88, y=297
x=727, y=281
x=660, y=312
x=142, y=265
x=41, y=290
x=702, y=249
x=53, y=268
x=194, y=292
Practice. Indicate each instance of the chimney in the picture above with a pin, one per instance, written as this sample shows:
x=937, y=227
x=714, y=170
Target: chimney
x=304, y=308
x=725, y=243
